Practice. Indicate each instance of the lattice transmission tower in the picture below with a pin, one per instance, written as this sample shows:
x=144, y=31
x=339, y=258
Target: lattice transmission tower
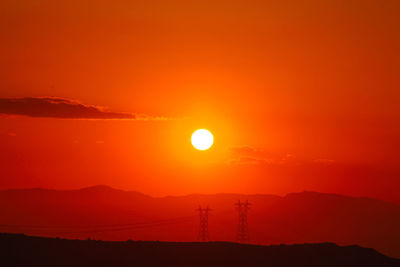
x=243, y=227
x=203, y=231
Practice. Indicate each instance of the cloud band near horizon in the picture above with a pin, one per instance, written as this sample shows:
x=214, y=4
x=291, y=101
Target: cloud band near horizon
x=55, y=107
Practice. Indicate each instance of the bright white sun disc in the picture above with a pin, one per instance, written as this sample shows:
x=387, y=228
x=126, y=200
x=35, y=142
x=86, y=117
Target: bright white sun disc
x=202, y=139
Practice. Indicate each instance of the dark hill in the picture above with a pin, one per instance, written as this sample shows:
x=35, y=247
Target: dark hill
x=21, y=250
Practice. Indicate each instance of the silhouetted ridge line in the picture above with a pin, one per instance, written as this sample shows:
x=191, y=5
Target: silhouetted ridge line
x=21, y=250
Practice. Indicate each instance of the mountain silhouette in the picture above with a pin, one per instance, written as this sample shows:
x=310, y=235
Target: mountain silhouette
x=21, y=250
x=101, y=212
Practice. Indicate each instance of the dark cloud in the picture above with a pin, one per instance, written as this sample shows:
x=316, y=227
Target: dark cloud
x=52, y=107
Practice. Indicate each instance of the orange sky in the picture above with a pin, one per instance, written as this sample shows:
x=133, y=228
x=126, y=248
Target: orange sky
x=300, y=95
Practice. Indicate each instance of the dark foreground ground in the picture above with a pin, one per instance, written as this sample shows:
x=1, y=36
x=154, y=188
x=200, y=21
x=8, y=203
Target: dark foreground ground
x=21, y=250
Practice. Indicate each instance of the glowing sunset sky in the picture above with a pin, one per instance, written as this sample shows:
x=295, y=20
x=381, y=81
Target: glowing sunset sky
x=299, y=95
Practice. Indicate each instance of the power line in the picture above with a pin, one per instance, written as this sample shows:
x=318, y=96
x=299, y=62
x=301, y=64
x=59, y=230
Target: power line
x=104, y=228
x=89, y=226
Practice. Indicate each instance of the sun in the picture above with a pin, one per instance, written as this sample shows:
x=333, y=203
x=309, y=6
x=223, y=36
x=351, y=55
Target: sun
x=202, y=139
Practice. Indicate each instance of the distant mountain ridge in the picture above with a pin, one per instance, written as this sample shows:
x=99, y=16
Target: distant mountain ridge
x=102, y=212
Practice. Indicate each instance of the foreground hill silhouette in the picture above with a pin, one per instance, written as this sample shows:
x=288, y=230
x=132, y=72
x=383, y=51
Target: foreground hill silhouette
x=21, y=250
x=105, y=213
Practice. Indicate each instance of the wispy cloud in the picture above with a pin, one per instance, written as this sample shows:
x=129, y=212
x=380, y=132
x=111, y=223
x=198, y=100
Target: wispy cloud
x=55, y=107
x=251, y=155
